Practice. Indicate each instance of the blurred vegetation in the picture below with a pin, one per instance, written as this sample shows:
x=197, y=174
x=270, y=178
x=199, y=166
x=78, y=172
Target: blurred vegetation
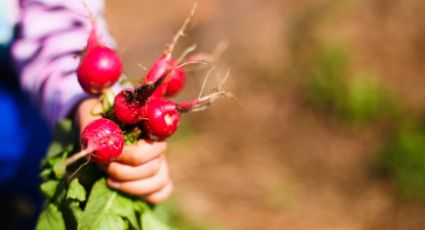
x=358, y=98
x=354, y=96
x=403, y=160
x=170, y=213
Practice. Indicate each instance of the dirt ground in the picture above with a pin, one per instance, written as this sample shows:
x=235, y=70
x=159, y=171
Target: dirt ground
x=267, y=160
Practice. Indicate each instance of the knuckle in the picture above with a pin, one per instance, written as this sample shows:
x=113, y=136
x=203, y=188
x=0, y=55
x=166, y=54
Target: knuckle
x=151, y=199
x=113, y=170
x=163, y=180
x=155, y=199
x=170, y=186
x=161, y=195
x=129, y=189
x=153, y=167
x=136, y=159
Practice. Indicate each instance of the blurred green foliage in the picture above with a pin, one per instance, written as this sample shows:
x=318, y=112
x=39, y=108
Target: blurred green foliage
x=169, y=212
x=358, y=97
x=366, y=100
x=354, y=96
x=403, y=160
x=325, y=86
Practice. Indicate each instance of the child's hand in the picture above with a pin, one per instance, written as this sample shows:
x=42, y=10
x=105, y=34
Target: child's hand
x=141, y=170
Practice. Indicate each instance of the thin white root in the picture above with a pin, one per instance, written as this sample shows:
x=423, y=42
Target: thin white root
x=79, y=169
x=204, y=83
x=211, y=57
x=143, y=67
x=186, y=52
x=72, y=159
x=220, y=86
x=191, y=63
x=205, y=101
x=180, y=33
x=220, y=48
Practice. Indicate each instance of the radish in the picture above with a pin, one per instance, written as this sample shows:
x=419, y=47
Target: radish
x=126, y=107
x=160, y=118
x=175, y=82
x=99, y=67
x=175, y=79
x=129, y=102
x=167, y=65
x=102, y=139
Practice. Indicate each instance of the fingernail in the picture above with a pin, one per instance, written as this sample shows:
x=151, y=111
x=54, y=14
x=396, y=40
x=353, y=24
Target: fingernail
x=113, y=184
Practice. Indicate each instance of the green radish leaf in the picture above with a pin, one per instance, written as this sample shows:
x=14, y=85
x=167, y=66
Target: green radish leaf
x=45, y=174
x=58, y=165
x=148, y=218
x=141, y=206
x=50, y=218
x=151, y=221
x=108, y=222
x=48, y=188
x=107, y=209
x=97, y=212
x=75, y=208
x=107, y=101
x=63, y=138
x=54, y=149
x=76, y=191
x=62, y=145
x=124, y=208
x=131, y=137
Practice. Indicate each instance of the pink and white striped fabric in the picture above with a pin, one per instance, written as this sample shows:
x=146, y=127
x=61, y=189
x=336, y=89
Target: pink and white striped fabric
x=51, y=35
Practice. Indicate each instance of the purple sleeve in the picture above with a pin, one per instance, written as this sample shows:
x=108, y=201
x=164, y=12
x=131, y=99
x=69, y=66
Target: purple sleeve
x=46, y=53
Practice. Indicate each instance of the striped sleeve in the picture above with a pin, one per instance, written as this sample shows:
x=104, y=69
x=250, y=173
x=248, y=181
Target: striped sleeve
x=52, y=33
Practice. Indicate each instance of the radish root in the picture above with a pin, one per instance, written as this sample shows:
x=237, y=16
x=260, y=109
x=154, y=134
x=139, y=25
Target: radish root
x=180, y=33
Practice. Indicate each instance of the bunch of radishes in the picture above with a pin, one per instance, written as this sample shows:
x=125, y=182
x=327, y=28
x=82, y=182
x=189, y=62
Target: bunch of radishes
x=145, y=108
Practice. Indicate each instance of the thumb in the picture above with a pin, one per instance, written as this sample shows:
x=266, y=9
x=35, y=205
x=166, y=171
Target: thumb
x=85, y=112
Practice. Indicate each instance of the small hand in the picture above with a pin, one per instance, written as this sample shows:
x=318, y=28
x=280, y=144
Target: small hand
x=142, y=171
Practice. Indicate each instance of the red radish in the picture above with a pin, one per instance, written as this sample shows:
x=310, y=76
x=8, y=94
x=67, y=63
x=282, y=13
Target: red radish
x=126, y=107
x=129, y=102
x=160, y=67
x=161, y=118
x=166, y=64
x=174, y=80
x=105, y=140
x=99, y=67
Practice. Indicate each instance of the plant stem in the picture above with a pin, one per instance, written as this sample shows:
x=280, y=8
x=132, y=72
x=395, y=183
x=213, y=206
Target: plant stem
x=72, y=159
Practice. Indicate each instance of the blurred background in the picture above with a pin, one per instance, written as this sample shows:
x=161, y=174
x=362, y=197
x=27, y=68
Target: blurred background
x=327, y=131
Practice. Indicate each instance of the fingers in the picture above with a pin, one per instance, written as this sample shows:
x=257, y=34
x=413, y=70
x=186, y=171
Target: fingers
x=142, y=152
x=161, y=195
x=123, y=172
x=142, y=171
x=141, y=187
